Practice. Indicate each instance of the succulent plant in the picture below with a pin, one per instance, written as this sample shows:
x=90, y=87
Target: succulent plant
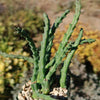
x=44, y=67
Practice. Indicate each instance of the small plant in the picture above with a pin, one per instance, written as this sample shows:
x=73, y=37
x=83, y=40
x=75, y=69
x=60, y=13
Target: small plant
x=44, y=67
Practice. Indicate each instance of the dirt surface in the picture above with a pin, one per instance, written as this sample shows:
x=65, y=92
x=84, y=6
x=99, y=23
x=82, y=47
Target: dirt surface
x=90, y=12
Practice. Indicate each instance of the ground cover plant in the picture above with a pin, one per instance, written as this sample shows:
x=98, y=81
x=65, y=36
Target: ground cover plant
x=44, y=68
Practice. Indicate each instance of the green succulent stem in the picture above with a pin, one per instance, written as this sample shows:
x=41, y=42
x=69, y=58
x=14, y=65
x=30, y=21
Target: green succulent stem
x=37, y=96
x=69, y=46
x=35, y=56
x=52, y=31
x=72, y=26
x=68, y=60
x=50, y=63
x=28, y=59
x=59, y=53
x=41, y=72
x=87, y=41
x=57, y=22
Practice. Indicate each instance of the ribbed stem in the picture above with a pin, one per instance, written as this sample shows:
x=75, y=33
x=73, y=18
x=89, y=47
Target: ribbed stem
x=25, y=34
x=52, y=31
x=41, y=72
x=67, y=35
x=68, y=60
x=69, y=46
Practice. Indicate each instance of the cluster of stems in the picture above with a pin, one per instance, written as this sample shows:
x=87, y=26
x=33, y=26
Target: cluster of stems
x=44, y=67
